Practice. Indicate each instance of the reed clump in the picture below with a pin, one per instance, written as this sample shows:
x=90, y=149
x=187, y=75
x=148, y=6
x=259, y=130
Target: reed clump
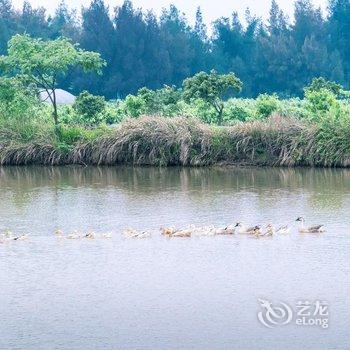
x=276, y=141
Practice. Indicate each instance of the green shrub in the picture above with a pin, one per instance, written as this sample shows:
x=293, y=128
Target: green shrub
x=201, y=110
x=319, y=84
x=73, y=134
x=69, y=116
x=239, y=109
x=17, y=100
x=90, y=108
x=293, y=107
x=134, y=106
x=113, y=113
x=164, y=102
x=320, y=101
x=266, y=105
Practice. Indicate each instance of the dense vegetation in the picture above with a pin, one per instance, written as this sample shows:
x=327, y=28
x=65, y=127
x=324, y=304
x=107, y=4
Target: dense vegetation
x=278, y=56
x=160, y=100
x=146, y=129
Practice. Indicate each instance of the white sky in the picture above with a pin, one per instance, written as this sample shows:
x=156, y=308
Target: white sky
x=212, y=9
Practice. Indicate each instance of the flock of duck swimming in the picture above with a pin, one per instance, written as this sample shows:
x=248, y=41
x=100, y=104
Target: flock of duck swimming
x=171, y=232
x=238, y=228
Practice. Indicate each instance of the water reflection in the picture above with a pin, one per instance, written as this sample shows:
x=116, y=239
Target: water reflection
x=146, y=179
x=326, y=188
x=48, y=197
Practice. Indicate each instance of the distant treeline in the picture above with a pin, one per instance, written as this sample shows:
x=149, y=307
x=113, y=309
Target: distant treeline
x=143, y=50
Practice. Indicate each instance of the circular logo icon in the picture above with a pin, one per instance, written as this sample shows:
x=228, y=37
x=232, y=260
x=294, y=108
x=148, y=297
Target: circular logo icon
x=274, y=315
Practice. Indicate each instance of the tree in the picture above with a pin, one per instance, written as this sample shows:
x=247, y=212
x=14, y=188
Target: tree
x=98, y=34
x=277, y=23
x=129, y=62
x=64, y=23
x=33, y=21
x=321, y=83
x=43, y=62
x=339, y=31
x=176, y=34
x=8, y=23
x=199, y=44
x=308, y=22
x=211, y=88
x=89, y=106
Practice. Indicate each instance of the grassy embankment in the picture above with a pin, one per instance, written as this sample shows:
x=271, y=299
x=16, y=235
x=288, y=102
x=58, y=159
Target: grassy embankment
x=276, y=141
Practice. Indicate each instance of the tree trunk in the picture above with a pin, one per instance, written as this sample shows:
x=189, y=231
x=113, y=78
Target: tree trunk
x=54, y=103
x=220, y=115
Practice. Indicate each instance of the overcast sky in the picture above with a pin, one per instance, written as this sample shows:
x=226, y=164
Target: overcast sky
x=212, y=9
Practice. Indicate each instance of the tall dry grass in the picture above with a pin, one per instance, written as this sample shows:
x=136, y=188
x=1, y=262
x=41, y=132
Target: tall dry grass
x=278, y=141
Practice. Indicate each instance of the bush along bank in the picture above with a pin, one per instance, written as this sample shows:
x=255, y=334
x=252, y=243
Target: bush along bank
x=158, y=141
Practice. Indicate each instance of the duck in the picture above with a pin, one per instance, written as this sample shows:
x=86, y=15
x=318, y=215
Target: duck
x=182, y=233
x=74, y=235
x=257, y=232
x=168, y=231
x=131, y=233
x=106, y=235
x=312, y=229
x=243, y=229
x=172, y=232
x=90, y=235
x=283, y=230
x=203, y=231
x=270, y=230
x=21, y=237
x=144, y=234
x=228, y=230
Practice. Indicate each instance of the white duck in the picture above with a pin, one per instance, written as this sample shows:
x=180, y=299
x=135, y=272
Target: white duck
x=131, y=233
x=107, y=235
x=242, y=229
x=283, y=230
x=228, y=230
x=312, y=229
x=182, y=233
x=74, y=235
x=270, y=230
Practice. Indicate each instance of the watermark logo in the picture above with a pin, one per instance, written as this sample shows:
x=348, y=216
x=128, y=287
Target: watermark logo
x=305, y=313
x=273, y=315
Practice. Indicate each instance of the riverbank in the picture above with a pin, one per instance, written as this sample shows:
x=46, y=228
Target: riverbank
x=277, y=141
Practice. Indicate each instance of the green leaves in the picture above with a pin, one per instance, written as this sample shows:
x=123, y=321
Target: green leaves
x=211, y=88
x=42, y=62
x=89, y=107
x=39, y=58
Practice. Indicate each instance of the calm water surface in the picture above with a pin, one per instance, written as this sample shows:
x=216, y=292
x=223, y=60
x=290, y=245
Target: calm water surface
x=198, y=293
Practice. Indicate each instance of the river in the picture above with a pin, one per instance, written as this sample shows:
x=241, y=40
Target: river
x=180, y=293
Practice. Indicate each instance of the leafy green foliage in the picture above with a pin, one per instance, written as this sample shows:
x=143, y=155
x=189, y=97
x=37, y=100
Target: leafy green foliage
x=73, y=134
x=90, y=107
x=16, y=100
x=321, y=83
x=266, y=105
x=320, y=101
x=211, y=88
x=43, y=62
x=165, y=101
